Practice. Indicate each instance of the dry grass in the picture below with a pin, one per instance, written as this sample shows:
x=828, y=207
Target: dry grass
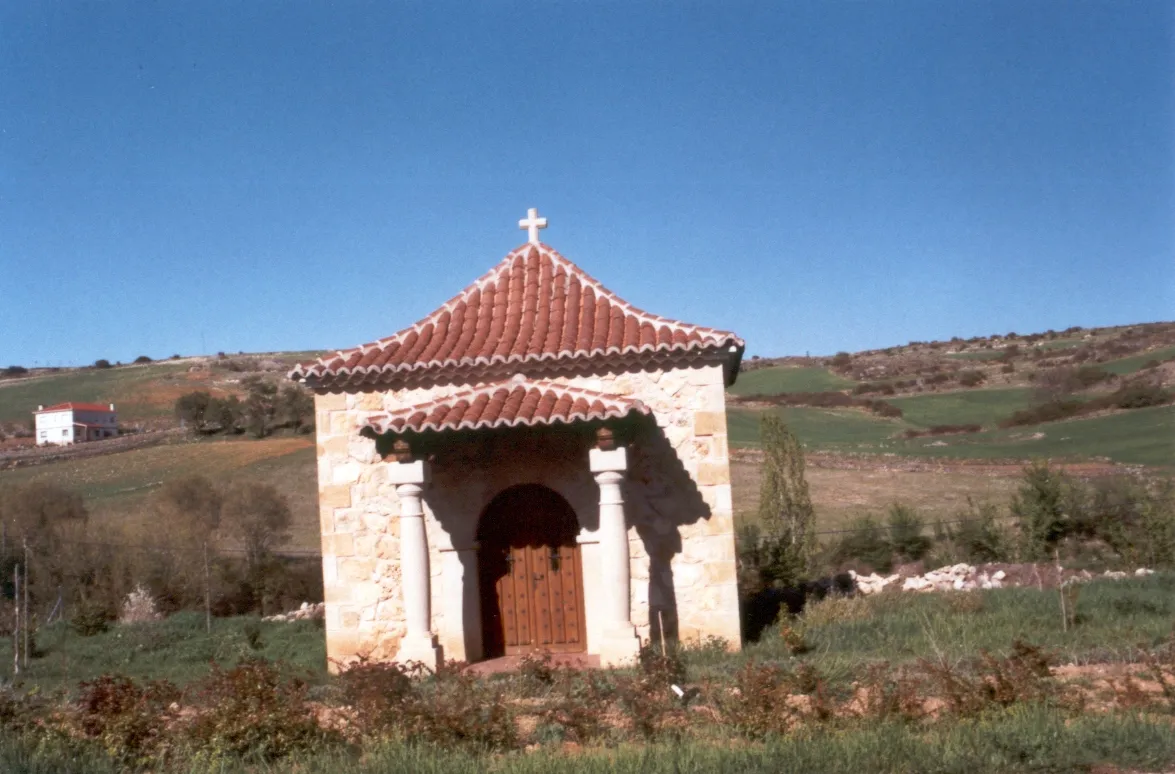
x=841, y=494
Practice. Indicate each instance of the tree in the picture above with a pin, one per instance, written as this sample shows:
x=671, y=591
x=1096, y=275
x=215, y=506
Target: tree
x=188, y=508
x=193, y=409
x=257, y=516
x=295, y=407
x=1043, y=507
x=51, y=520
x=102, y=363
x=260, y=405
x=226, y=414
x=785, y=506
x=142, y=359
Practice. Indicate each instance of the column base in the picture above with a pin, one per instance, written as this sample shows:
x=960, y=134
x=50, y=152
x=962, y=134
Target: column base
x=619, y=646
x=424, y=650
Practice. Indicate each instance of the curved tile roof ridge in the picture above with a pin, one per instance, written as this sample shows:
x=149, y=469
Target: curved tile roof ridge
x=510, y=403
x=534, y=306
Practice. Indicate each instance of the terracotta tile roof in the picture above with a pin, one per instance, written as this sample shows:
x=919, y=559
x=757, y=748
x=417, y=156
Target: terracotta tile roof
x=514, y=403
x=105, y=408
x=534, y=307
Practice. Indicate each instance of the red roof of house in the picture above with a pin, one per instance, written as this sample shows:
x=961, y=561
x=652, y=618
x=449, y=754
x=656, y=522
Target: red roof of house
x=103, y=407
x=534, y=307
x=511, y=403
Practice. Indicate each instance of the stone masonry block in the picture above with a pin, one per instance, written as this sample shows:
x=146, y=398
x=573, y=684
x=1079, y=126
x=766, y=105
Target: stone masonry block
x=331, y=401
x=710, y=423
x=332, y=445
x=713, y=473
x=330, y=496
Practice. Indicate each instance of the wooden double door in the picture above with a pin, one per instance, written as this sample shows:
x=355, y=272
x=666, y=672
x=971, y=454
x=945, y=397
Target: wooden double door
x=530, y=573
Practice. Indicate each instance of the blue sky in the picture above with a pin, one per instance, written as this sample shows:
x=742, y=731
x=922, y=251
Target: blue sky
x=817, y=176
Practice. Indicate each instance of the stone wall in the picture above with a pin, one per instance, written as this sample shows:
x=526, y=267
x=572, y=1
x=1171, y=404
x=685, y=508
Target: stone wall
x=678, y=504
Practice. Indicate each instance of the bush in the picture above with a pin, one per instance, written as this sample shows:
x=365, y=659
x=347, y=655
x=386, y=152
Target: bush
x=905, y=534
x=13, y=371
x=1140, y=394
x=1043, y=506
x=865, y=543
x=90, y=618
x=250, y=711
x=971, y=378
x=102, y=363
x=841, y=360
x=978, y=537
x=142, y=359
x=130, y=722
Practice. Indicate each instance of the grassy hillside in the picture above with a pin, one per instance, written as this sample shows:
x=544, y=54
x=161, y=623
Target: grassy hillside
x=117, y=487
x=776, y=379
x=963, y=407
x=138, y=392
x=1141, y=437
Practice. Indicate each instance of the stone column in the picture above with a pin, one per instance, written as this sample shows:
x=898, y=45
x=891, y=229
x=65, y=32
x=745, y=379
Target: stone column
x=618, y=641
x=419, y=643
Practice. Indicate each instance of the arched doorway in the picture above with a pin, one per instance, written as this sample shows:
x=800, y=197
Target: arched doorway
x=530, y=574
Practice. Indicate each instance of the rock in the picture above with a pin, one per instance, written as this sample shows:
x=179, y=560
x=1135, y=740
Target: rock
x=1114, y=574
x=1142, y=572
x=999, y=575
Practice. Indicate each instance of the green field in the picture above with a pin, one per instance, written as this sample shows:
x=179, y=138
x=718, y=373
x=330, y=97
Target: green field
x=1138, y=437
x=1141, y=436
x=822, y=429
x=135, y=390
x=1134, y=363
x=777, y=379
x=964, y=407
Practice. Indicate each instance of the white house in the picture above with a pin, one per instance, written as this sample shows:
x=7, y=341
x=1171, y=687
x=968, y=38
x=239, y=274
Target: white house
x=67, y=423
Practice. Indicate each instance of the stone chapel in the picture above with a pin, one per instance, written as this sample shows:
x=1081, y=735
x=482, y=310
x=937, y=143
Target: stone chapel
x=536, y=465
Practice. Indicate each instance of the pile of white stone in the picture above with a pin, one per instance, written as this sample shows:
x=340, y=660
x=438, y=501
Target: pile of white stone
x=307, y=612
x=962, y=577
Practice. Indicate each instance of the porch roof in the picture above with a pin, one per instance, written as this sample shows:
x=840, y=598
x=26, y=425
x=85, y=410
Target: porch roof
x=512, y=403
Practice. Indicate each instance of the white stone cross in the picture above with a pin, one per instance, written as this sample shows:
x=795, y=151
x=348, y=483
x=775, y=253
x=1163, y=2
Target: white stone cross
x=532, y=223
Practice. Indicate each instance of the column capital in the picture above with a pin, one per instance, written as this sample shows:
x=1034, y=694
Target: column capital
x=409, y=490
x=401, y=473
x=602, y=461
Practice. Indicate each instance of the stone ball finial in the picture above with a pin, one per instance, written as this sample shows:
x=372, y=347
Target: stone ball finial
x=605, y=439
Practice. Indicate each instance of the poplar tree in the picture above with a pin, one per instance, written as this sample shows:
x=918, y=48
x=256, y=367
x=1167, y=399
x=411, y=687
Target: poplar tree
x=786, y=516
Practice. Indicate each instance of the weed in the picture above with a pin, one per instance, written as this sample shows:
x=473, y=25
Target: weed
x=250, y=711
x=129, y=721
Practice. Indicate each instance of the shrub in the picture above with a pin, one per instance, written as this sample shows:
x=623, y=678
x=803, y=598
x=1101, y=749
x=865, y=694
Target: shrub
x=13, y=371
x=1043, y=506
x=102, y=363
x=90, y=618
x=251, y=711
x=905, y=534
x=1140, y=394
x=936, y=378
x=841, y=360
x=758, y=704
x=142, y=359
x=138, y=606
x=1022, y=676
x=978, y=536
x=1007, y=368
x=971, y=378
x=865, y=542
x=130, y=722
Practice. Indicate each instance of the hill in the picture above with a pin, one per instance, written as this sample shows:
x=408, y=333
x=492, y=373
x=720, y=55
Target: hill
x=859, y=460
